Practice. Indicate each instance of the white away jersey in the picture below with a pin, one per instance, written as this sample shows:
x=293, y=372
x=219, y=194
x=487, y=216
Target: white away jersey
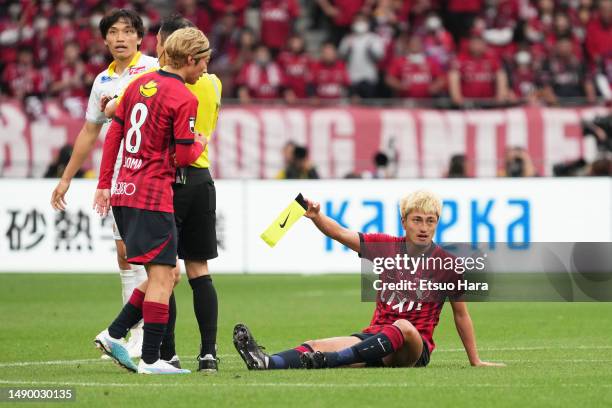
x=109, y=83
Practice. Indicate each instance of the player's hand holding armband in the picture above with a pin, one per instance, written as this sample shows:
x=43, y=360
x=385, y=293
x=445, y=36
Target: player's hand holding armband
x=313, y=209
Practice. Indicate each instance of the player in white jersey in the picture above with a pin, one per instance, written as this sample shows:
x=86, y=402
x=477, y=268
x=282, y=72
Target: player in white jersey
x=122, y=31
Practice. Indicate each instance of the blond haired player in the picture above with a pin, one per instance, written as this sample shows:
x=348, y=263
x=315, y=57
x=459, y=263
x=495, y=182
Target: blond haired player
x=122, y=31
x=194, y=209
x=156, y=122
x=397, y=336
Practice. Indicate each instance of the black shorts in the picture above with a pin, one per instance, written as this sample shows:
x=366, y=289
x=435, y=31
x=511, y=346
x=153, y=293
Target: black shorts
x=195, y=203
x=149, y=236
x=421, y=362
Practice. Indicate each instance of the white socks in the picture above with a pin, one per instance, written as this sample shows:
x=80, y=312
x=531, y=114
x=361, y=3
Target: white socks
x=127, y=284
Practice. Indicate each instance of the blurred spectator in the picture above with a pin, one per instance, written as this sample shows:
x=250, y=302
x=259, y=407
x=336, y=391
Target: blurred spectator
x=563, y=75
x=601, y=167
x=477, y=74
x=196, y=14
x=599, y=32
x=382, y=169
x=518, y=163
x=415, y=75
x=260, y=79
x=362, y=49
x=239, y=56
x=299, y=167
x=499, y=21
x=562, y=28
x=295, y=63
x=342, y=13
x=457, y=167
x=460, y=15
x=230, y=46
x=437, y=42
x=522, y=79
x=22, y=78
x=69, y=76
x=328, y=78
x=61, y=32
x=236, y=7
x=540, y=24
x=288, y=149
x=414, y=13
x=56, y=168
x=10, y=32
x=277, y=22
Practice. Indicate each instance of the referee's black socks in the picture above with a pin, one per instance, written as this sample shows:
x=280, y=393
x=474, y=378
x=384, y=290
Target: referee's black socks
x=206, y=309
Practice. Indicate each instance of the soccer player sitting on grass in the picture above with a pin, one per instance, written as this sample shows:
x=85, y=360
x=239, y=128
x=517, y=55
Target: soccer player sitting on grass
x=396, y=337
x=156, y=123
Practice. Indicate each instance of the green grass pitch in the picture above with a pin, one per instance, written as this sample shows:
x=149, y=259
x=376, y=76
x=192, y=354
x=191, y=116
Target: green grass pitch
x=558, y=354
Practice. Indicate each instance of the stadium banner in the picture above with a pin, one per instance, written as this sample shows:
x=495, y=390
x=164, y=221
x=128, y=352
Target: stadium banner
x=249, y=139
x=35, y=238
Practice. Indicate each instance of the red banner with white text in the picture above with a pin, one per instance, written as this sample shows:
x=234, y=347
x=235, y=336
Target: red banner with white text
x=249, y=139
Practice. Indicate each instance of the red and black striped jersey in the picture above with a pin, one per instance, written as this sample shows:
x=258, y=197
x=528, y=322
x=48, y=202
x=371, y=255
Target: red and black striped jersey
x=392, y=305
x=157, y=111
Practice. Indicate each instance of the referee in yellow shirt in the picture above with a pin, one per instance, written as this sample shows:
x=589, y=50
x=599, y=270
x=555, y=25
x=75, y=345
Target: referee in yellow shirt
x=194, y=212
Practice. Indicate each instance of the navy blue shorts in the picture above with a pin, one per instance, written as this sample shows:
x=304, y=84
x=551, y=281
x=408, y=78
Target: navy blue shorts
x=149, y=236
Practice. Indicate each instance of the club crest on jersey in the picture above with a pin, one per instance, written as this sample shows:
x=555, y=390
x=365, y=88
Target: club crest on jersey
x=192, y=124
x=136, y=70
x=149, y=89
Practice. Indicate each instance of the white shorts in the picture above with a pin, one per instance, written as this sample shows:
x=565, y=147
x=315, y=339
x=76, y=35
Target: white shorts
x=116, y=234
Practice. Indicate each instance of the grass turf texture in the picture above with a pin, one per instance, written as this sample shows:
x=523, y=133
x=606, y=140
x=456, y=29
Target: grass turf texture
x=558, y=354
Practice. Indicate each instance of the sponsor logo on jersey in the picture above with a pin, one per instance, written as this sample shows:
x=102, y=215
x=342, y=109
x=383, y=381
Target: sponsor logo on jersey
x=123, y=188
x=136, y=70
x=149, y=89
x=192, y=124
x=105, y=78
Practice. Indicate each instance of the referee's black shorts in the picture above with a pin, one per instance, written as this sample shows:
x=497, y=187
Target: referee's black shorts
x=149, y=236
x=194, y=212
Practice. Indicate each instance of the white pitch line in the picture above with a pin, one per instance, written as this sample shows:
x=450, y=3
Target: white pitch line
x=292, y=385
x=52, y=362
x=231, y=356
x=532, y=348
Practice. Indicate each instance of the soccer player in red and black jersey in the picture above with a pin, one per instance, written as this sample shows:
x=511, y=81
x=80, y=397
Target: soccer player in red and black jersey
x=156, y=122
x=397, y=336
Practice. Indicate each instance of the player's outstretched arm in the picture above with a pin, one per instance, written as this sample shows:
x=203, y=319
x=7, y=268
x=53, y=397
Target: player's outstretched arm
x=83, y=145
x=330, y=227
x=465, y=328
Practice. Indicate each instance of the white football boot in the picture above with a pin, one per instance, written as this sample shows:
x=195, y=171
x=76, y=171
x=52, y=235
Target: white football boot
x=160, y=367
x=115, y=349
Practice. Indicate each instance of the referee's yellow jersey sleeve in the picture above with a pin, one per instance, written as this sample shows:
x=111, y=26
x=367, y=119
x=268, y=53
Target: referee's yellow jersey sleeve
x=208, y=91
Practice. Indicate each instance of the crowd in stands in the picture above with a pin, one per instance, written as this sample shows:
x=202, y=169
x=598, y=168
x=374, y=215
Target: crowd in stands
x=464, y=52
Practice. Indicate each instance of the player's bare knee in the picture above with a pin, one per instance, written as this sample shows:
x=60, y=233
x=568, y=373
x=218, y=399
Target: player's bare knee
x=311, y=343
x=408, y=330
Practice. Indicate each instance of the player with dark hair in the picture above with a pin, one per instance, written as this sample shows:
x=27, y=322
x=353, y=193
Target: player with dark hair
x=399, y=335
x=122, y=31
x=194, y=211
x=156, y=121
